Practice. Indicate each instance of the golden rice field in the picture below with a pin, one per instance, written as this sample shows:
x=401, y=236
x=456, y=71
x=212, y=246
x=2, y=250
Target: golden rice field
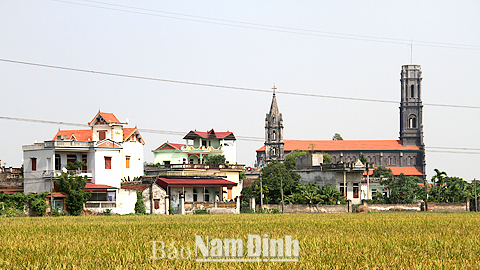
x=327, y=241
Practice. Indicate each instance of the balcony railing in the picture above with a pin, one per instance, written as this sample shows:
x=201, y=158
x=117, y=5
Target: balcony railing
x=100, y=204
x=193, y=166
x=59, y=144
x=58, y=172
x=75, y=144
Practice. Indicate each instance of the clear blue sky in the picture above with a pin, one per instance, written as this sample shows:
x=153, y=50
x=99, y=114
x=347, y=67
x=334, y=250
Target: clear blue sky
x=154, y=39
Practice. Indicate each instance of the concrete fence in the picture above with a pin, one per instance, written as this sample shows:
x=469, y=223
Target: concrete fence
x=414, y=207
x=308, y=208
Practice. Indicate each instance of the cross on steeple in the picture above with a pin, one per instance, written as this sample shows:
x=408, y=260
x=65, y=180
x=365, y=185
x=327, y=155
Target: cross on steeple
x=274, y=88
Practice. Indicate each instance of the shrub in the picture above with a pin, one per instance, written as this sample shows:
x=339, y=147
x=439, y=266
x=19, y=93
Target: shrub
x=140, y=205
x=201, y=211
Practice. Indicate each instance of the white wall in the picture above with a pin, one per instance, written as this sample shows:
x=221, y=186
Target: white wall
x=136, y=152
x=111, y=177
x=126, y=200
x=34, y=182
x=230, y=151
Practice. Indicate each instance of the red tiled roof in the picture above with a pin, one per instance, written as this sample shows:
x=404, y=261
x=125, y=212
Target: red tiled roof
x=345, y=145
x=416, y=171
x=110, y=118
x=211, y=134
x=136, y=187
x=58, y=195
x=170, y=146
x=108, y=144
x=79, y=135
x=128, y=132
x=97, y=187
x=194, y=182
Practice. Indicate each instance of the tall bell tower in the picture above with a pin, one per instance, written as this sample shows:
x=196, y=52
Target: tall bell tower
x=274, y=133
x=411, y=107
x=411, y=112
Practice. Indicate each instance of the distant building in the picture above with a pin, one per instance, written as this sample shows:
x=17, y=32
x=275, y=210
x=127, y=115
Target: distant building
x=198, y=146
x=11, y=179
x=406, y=155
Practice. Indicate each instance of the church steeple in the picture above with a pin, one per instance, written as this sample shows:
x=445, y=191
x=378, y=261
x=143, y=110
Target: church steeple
x=411, y=107
x=411, y=112
x=274, y=132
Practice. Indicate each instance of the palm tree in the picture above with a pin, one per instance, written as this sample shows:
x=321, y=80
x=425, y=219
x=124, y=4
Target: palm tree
x=439, y=176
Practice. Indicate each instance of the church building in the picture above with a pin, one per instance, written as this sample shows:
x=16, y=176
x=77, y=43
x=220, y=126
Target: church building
x=405, y=155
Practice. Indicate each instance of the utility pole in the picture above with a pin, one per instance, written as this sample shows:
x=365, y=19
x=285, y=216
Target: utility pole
x=476, y=202
x=426, y=194
x=51, y=193
x=368, y=183
x=261, y=192
x=281, y=189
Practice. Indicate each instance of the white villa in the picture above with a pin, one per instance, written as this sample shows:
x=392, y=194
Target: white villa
x=111, y=151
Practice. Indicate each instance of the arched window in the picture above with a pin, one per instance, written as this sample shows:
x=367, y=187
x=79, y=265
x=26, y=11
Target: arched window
x=274, y=152
x=274, y=135
x=412, y=91
x=206, y=196
x=334, y=159
x=273, y=119
x=394, y=160
x=412, y=122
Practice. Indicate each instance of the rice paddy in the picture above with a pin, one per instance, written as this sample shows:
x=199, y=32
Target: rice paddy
x=326, y=241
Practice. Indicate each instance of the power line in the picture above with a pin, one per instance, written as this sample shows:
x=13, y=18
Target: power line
x=243, y=138
x=274, y=28
x=228, y=87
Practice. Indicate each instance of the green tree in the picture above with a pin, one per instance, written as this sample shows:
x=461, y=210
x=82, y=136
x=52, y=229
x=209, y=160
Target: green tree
x=215, y=159
x=140, y=204
x=382, y=172
x=402, y=189
x=75, y=165
x=327, y=159
x=337, y=137
x=450, y=189
x=439, y=177
x=73, y=185
x=290, y=159
x=272, y=174
x=363, y=159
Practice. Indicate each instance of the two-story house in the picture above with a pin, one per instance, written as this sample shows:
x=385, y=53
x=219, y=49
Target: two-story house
x=110, y=151
x=198, y=146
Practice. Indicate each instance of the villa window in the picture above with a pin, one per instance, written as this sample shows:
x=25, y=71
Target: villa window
x=206, y=196
x=343, y=190
x=355, y=190
x=34, y=164
x=108, y=163
x=195, y=195
x=127, y=162
x=102, y=134
x=58, y=162
x=84, y=160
